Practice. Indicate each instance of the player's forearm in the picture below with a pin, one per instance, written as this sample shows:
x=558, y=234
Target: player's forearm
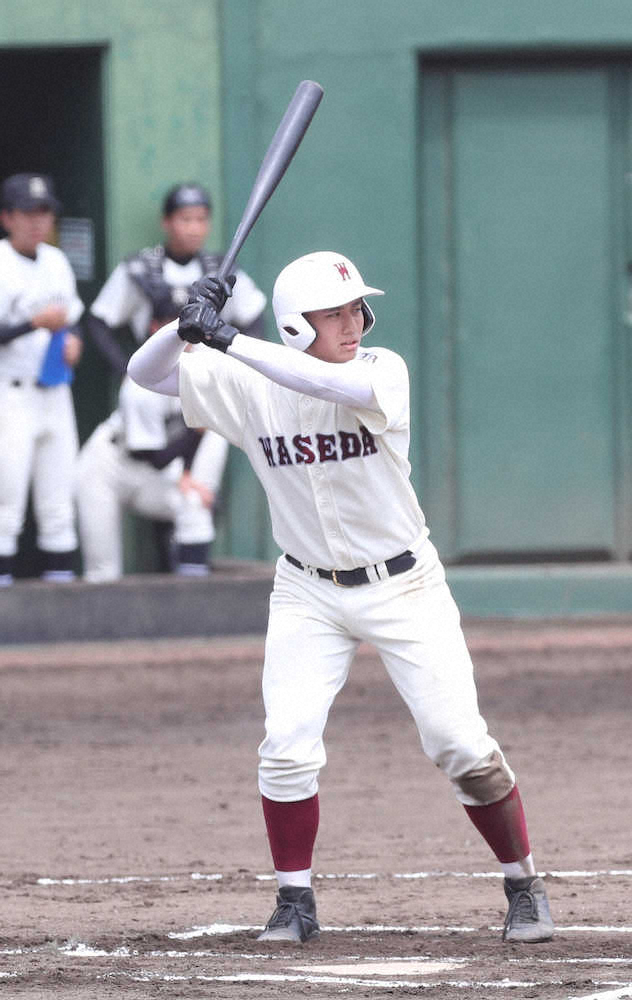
x=106, y=343
x=155, y=364
x=348, y=384
x=183, y=446
x=9, y=332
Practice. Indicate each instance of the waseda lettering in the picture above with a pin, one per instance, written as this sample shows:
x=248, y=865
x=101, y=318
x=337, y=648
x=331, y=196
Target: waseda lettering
x=327, y=447
x=282, y=452
x=303, y=450
x=350, y=445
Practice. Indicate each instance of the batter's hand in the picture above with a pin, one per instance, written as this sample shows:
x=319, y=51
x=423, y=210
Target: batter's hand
x=212, y=290
x=50, y=318
x=200, y=324
x=200, y=317
x=199, y=320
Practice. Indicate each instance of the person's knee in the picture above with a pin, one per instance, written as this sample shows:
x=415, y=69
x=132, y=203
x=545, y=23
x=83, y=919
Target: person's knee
x=288, y=782
x=289, y=766
x=490, y=780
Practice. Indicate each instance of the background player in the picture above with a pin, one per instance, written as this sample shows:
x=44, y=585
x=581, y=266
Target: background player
x=143, y=458
x=39, y=346
x=144, y=292
x=149, y=288
x=326, y=428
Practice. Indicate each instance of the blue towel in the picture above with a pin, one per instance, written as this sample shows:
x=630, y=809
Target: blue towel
x=54, y=369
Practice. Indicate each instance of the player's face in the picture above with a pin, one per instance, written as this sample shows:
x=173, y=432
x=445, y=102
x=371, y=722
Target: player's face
x=27, y=229
x=338, y=332
x=187, y=229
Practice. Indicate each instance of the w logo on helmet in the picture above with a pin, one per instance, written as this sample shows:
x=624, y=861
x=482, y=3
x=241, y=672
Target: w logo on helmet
x=342, y=270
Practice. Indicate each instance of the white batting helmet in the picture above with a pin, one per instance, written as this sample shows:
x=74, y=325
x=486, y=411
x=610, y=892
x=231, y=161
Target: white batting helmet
x=321, y=280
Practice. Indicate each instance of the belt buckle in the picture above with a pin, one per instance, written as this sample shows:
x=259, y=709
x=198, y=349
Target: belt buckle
x=334, y=577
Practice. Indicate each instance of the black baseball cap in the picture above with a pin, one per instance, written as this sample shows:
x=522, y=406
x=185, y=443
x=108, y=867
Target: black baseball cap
x=28, y=192
x=185, y=195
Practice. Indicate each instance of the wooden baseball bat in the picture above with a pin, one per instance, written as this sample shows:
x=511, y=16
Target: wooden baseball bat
x=282, y=148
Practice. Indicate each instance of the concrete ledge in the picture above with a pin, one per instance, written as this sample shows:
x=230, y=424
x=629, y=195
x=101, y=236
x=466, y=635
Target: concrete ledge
x=233, y=600
x=545, y=591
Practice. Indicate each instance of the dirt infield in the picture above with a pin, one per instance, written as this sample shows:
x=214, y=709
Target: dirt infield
x=134, y=861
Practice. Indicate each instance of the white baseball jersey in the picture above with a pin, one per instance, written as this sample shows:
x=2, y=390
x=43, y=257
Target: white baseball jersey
x=336, y=478
x=121, y=301
x=26, y=287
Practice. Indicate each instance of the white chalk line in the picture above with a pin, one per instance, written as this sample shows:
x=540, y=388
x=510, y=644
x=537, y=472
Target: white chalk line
x=219, y=930
x=617, y=994
x=125, y=879
x=311, y=975
x=81, y=950
x=346, y=981
x=212, y=930
x=421, y=875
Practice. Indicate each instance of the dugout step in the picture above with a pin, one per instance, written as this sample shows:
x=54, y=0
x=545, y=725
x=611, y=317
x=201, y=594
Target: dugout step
x=233, y=600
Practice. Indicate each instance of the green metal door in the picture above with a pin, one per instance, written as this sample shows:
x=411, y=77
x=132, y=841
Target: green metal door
x=524, y=251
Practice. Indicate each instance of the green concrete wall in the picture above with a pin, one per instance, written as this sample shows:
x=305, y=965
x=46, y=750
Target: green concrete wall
x=356, y=181
x=196, y=89
x=161, y=97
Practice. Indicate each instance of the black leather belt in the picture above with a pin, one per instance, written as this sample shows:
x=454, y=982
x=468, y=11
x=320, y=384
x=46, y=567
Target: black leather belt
x=356, y=577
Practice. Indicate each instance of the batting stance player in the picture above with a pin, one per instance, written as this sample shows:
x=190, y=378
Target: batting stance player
x=325, y=423
x=39, y=308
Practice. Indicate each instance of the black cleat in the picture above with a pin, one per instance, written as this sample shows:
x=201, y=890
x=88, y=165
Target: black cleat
x=294, y=918
x=528, y=917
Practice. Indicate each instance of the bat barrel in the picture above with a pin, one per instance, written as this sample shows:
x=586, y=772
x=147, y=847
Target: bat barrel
x=282, y=148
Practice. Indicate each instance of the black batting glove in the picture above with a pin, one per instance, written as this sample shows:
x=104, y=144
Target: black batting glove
x=199, y=319
x=213, y=291
x=221, y=337
x=200, y=324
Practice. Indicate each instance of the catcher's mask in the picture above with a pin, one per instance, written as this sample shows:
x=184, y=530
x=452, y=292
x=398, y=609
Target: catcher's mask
x=321, y=280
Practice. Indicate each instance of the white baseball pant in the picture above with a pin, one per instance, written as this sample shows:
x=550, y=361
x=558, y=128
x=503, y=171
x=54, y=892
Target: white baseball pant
x=314, y=630
x=109, y=481
x=38, y=449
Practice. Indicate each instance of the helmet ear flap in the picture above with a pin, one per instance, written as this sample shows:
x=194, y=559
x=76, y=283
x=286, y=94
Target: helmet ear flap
x=296, y=331
x=369, y=318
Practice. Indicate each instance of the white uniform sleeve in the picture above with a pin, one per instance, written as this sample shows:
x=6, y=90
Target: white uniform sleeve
x=348, y=384
x=119, y=299
x=155, y=364
x=245, y=304
x=391, y=391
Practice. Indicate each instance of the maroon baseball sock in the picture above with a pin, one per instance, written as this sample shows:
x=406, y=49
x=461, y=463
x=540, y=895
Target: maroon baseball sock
x=504, y=827
x=292, y=829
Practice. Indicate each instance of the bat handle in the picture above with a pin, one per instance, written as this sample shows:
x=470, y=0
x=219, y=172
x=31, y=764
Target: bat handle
x=226, y=266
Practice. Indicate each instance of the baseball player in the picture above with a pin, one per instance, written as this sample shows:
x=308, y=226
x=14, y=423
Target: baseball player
x=144, y=459
x=39, y=346
x=325, y=422
x=149, y=288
